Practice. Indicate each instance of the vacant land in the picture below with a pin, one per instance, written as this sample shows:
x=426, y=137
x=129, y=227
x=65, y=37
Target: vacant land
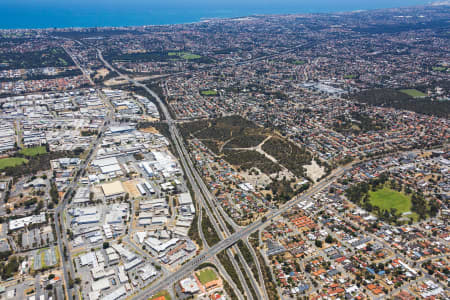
x=227, y=132
x=12, y=162
x=386, y=199
x=314, y=171
x=230, y=137
x=131, y=188
x=238, y=141
x=206, y=275
x=247, y=160
x=101, y=73
x=33, y=151
x=288, y=155
x=413, y=93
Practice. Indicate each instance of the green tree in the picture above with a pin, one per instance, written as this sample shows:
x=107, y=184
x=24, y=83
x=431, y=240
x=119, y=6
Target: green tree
x=318, y=243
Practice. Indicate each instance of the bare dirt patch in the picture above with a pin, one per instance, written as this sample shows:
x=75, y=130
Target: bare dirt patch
x=314, y=171
x=256, y=180
x=101, y=73
x=120, y=81
x=131, y=188
x=149, y=130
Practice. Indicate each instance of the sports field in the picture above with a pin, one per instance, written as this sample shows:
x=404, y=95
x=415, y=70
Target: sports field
x=33, y=151
x=440, y=69
x=387, y=198
x=164, y=294
x=184, y=55
x=413, y=93
x=209, y=93
x=12, y=162
x=206, y=275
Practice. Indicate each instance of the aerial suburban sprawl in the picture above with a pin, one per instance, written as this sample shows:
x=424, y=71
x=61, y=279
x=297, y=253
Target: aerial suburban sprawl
x=263, y=157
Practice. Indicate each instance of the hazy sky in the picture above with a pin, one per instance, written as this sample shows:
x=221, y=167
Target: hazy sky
x=227, y=3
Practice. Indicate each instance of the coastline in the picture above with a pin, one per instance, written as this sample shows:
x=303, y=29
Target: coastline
x=89, y=19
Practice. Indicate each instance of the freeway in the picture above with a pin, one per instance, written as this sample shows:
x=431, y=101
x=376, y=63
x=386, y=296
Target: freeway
x=214, y=214
x=229, y=241
x=243, y=62
x=194, y=179
x=258, y=267
x=209, y=203
x=77, y=63
x=190, y=266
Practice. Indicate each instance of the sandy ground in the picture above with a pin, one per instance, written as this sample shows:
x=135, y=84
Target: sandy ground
x=314, y=171
x=150, y=119
x=149, y=130
x=256, y=180
x=101, y=73
x=118, y=81
x=283, y=173
x=131, y=188
x=115, y=81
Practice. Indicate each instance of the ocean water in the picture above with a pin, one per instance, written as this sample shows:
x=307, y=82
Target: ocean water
x=96, y=13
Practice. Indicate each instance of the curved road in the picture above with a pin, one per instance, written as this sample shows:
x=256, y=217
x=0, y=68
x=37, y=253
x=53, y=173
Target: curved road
x=229, y=241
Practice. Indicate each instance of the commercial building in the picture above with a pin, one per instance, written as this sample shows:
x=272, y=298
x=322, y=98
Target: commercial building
x=113, y=190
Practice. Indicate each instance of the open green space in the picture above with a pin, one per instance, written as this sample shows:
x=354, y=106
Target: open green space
x=9, y=268
x=386, y=199
x=413, y=93
x=236, y=130
x=12, y=162
x=210, y=233
x=357, y=122
x=399, y=100
x=391, y=201
x=52, y=57
x=223, y=135
x=288, y=154
x=295, y=61
x=231, y=137
x=349, y=76
x=184, y=55
x=209, y=93
x=206, y=275
x=33, y=151
x=439, y=69
x=234, y=139
x=15, y=166
x=157, y=56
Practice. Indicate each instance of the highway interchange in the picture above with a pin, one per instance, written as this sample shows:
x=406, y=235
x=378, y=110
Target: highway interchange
x=205, y=200
x=208, y=202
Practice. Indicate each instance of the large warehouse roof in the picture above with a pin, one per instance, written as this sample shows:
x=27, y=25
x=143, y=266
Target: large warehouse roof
x=113, y=188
